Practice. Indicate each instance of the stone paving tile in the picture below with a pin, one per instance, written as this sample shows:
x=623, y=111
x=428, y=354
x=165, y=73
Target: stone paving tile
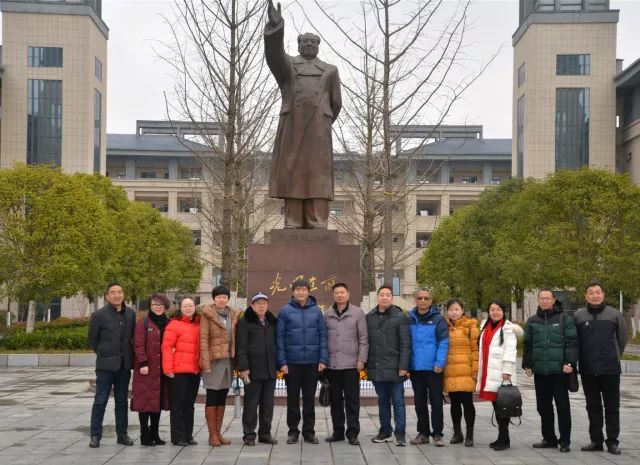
x=44, y=419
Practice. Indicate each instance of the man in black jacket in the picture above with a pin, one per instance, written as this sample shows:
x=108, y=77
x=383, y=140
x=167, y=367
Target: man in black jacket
x=256, y=362
x=388, y=363
x=602, y=334
x=111, y=337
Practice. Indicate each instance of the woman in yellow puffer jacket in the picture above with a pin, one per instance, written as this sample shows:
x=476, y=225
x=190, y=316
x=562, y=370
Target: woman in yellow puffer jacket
x=461, y=370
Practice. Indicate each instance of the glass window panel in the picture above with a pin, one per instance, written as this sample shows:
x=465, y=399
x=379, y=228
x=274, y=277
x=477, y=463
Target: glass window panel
x=44, y=121
x=573, y=65
x=520, y=135
x=44, y=57
x=572, y=127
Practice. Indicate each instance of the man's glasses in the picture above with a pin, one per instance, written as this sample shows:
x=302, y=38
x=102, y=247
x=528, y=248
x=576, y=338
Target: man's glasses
x=423, y=298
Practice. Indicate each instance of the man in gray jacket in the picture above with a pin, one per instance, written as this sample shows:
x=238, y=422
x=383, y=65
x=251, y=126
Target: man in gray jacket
x=348, y=351
x=602, y=336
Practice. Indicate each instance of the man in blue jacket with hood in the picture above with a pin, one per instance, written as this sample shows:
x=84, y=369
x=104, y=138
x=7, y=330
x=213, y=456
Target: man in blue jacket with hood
x=429, y=349
x=302, y=354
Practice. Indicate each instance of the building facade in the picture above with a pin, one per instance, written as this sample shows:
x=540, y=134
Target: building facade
x=564, y=92
x=54, y=84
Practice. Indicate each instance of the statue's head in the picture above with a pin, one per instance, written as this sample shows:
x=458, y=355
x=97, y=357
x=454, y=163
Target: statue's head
x=308, y=45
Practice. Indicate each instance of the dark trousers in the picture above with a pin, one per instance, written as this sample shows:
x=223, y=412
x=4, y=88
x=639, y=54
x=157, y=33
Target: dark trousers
x=184, y=391
x=258, y=394
x=428, y=385
x=105, y=380
x=460, y=400
x=503, y=426
x=599, y=390
x=302, y=377
x=549, y=389
x=345, y=396
x=145, y=418
x=216, y=397
x=390, y=394
x=306, y=213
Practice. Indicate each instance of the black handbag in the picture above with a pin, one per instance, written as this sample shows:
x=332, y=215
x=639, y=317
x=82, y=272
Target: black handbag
x=572, y=378
x=509, y=402
x=324, y=398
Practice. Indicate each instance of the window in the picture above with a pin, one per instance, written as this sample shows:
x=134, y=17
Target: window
x=44, y=121
x=520, y=136
x=197, y=237
x=631, y=108
x=148, y=175
x=521, y=75
x=573, y=65
x=98, y=70
x=97, y=126
x=469, y=179
x=44, y=57
x=572, y=127
x=570, y=5
x=189, y=204
x=495, y=180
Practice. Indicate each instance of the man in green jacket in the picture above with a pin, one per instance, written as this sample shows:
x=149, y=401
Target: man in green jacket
x=550, y=353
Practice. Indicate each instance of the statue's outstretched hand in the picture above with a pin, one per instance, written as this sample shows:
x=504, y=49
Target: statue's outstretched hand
x=275, y=15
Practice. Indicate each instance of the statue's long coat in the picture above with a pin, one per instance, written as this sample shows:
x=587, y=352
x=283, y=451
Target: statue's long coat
x=302, y=162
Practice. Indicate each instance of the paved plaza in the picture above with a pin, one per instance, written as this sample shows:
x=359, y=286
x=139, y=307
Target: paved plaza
x=44, y=419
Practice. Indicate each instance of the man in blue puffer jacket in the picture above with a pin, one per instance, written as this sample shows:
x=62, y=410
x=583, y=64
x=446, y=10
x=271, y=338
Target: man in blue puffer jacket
x=429, y=349
x=302, y=354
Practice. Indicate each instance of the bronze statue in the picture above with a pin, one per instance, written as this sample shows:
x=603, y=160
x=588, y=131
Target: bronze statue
x=302, y=162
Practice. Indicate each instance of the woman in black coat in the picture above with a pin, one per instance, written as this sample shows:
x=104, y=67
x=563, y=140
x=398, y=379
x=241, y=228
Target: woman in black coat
x=256, y=362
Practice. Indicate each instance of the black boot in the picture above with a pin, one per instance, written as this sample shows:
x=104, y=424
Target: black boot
x=154, y=430
x=468, y=440
x=145, y=436
x=503, y=441
x=457, y=437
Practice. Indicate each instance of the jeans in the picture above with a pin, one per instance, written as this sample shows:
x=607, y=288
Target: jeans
x=258, y=393
x=104, y=381
x=345, y=397
x=302, y=376
x=599, y=390
x=549, y=389
x=427, y=386
x=391, y=393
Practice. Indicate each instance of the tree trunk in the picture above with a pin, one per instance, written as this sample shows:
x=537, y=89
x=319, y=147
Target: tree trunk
x=31, y=316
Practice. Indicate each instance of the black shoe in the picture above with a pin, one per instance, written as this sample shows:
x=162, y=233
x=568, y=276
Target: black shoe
x=494, y=443
x=334, y=438
x=468, y=440
x=592, y=447
x=502, y=445
x=381, y=437
x=565, y=449
x=249, y=442
x=192, y=442
x=292, y=439
x=354, y=441
x=95, y=442
x=401, y=440
x=180, y=443
x=544, y=444
x=267, y=440
x=311, y=439
x=145, y=438
x=457, y=437
x=613, y=449
x=125, y=440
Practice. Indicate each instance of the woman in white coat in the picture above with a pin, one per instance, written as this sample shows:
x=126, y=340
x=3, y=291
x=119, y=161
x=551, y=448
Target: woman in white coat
x=497, y=362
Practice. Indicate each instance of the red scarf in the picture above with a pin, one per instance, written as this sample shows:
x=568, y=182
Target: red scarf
x=487, y=337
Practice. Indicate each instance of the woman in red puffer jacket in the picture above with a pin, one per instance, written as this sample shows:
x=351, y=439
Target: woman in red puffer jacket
x=180, y=362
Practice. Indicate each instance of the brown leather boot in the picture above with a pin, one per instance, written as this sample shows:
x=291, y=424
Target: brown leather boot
x=219, y=418
x=210, y=413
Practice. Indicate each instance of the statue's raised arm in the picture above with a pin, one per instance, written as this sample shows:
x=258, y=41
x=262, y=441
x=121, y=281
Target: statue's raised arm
x=274, y=15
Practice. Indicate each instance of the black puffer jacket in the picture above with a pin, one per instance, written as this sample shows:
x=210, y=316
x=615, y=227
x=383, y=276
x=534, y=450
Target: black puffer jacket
x=389, y=344
x=111, y=338
x=602, y=335
x=256, y=346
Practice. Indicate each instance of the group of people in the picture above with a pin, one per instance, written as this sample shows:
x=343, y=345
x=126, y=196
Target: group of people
x=441, y=354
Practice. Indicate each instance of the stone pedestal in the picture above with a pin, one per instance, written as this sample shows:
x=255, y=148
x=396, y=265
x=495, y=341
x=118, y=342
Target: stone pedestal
x=312, y=254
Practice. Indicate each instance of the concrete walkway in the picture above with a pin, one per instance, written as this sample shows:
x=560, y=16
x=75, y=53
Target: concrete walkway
x=44, y=419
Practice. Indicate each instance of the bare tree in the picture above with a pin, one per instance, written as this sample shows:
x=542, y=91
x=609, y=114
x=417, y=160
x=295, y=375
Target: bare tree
x=221, y=79
x=402, y=59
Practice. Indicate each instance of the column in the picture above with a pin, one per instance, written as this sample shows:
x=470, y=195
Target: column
x=130, y=168
x=487, y=173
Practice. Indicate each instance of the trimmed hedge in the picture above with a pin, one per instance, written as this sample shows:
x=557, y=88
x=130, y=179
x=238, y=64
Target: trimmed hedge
x=62, y=334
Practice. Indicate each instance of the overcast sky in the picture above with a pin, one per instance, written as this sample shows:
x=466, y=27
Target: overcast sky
x=137, y=79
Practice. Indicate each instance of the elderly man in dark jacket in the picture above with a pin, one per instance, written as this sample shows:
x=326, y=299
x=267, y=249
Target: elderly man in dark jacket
x=388, y=364
x=348, y=351
x=550, y=353
x=256, y=362
x=602, y=336
x=302, y=353
x=111, y=332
